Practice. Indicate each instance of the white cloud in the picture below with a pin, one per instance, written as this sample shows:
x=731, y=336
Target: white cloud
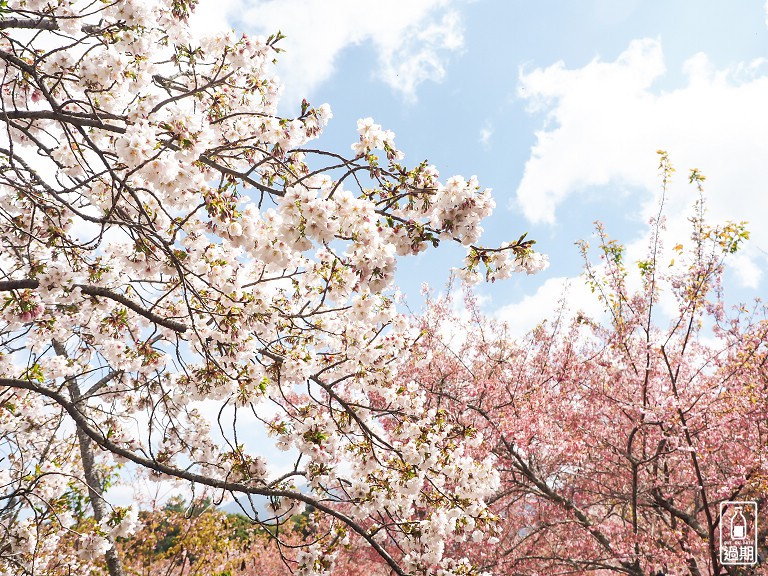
x=747, y=271
x=412, y=39
x=531, y=310
x=485, y=134
x=417, y=54
x=603, y=123
x=212, y=16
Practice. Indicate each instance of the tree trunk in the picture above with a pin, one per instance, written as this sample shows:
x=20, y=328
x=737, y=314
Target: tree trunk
x=92, y=479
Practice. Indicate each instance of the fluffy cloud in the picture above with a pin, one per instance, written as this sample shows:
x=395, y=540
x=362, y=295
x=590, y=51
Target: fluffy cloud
x=486, y=132
x=211, y=16
x=532, y=309
x=603, y=123
x=412, y=39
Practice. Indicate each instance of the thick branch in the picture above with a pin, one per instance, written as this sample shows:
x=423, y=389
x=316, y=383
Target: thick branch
x=41, y=24
x=232, y=172
x=689, y=520
x=80, y=119
x=33, y=283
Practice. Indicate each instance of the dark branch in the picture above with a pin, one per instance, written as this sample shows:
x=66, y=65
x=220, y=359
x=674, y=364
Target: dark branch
x=79, y=119
x=32, y=284
x=41, y=24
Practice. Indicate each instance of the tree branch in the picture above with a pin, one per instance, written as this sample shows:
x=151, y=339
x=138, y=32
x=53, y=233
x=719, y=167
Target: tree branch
x=33, y=283
x=79, y=119
x=42, y=24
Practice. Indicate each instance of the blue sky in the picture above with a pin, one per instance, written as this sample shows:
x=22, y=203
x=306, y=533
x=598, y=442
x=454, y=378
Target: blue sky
x=558, y=106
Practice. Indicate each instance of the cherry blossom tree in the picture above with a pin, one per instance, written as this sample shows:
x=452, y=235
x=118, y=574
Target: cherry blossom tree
x=616, y=438
x=174, y=248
